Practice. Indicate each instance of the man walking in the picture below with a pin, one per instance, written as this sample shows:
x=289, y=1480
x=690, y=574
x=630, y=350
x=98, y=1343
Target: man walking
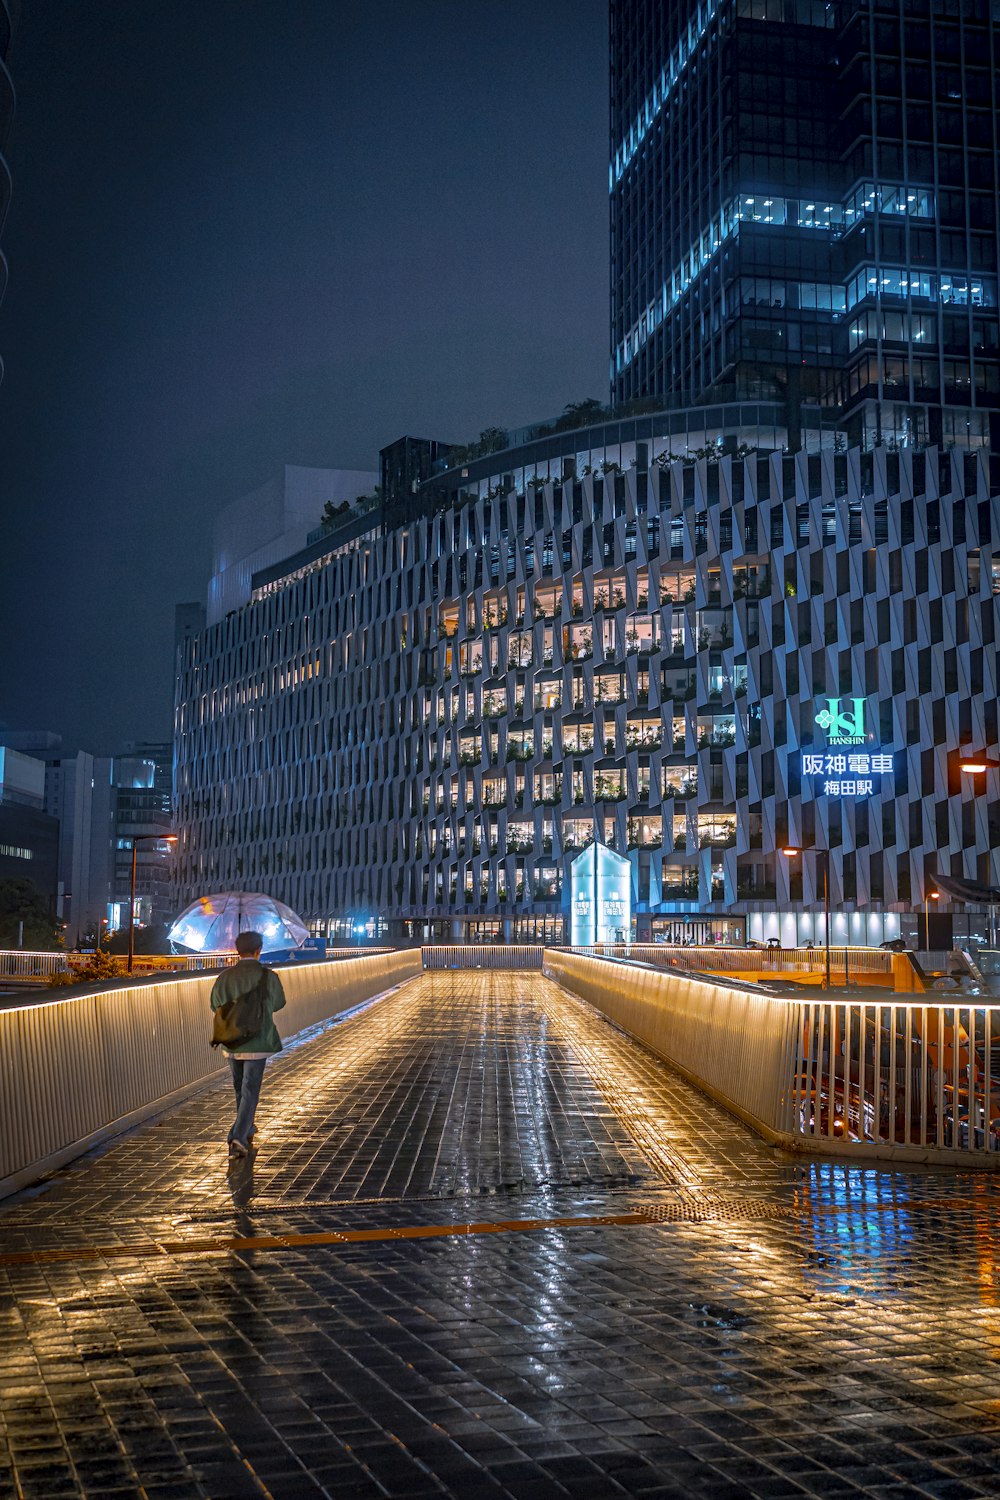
x=248, y=1058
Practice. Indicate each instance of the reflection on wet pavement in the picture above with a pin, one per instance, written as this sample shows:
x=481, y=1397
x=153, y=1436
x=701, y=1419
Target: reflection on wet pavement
x=490, y=1247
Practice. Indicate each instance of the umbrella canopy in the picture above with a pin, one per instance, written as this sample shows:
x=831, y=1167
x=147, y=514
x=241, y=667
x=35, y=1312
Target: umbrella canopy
x=210, y=924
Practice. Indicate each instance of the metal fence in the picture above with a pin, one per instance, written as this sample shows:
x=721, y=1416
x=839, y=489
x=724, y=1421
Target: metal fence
x=75, y=1070
x=908, y=1080
x=900, y=1077
x=23, y=965
x=356, y=952
x=484, y=956
x=847, y=965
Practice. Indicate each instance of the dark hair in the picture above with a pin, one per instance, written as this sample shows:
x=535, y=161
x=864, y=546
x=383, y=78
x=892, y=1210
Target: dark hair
x=248, y=943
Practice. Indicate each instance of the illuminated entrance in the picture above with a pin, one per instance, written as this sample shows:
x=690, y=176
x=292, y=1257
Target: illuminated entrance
x=600, y=897
x=699, y=932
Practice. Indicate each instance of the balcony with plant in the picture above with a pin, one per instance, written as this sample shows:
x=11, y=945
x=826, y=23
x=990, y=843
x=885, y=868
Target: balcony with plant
x=610, y=786
x=715, y=832
x=519, y=844
x=641, y=736
x=578, y=643
x=519, y=750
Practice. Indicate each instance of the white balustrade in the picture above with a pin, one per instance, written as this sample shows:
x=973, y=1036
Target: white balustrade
x=76, y=1069
x=904, y=1079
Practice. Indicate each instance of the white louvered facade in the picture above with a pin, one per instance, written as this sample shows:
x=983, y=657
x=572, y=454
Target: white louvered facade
x=427, y=724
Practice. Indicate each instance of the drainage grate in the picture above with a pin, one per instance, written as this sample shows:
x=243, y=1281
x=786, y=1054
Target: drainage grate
x=704, y=1210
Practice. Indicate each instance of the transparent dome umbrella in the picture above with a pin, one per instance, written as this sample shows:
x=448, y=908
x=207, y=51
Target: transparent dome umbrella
x=210, y=924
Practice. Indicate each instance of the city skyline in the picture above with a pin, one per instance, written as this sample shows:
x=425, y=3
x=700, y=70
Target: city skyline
x=720, y=621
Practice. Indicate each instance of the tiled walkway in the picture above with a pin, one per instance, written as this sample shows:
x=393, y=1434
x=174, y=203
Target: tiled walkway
x=653, y=1303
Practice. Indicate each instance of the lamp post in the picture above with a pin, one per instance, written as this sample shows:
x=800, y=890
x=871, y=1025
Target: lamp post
x=978, y=765
x=929, y=896
x=159, y=838
x=823, y=855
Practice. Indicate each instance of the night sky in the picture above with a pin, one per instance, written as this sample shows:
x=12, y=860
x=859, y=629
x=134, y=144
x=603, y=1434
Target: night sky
x=249, y=234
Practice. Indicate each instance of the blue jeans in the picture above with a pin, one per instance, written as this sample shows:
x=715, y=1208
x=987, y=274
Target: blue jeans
x=247, y=1079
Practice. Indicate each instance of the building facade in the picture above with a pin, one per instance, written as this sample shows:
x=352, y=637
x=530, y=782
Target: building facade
x=29, y=836
x=692, y=662
x=804, y=208
x=272, y=522
x=138, y=785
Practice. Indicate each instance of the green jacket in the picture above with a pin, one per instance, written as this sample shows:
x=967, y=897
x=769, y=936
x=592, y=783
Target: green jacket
x=239, y=980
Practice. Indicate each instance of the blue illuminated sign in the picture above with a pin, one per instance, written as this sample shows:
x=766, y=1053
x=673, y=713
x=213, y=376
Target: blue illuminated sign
x=600, y=897
x=846, y=773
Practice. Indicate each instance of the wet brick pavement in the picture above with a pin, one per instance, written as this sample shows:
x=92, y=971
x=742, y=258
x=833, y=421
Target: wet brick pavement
x=650, y=1301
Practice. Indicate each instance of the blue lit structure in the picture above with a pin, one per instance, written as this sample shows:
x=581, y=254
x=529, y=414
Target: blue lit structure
x=600, y=897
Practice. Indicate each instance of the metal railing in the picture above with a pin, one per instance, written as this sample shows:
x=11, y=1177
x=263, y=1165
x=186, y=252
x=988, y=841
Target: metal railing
x=737, y=1044
x=25, y=965
x=904, y=1080
x=77, y=1069
x=356, y=952
x=847, y=965
x=483, y=956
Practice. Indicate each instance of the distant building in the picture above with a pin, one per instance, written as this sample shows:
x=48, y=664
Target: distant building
x=271, y=523
x=94, y=804
x=405, y=465
x=140, y=804
x=69, y=797
x=82, y=887
x=29, y=837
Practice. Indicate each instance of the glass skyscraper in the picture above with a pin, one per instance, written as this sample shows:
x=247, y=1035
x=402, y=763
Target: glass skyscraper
x=804, y=209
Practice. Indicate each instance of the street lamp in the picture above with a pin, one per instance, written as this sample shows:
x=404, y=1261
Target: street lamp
x=159, y=838
x=824, y=856
x=929, y=896
x=978, y=765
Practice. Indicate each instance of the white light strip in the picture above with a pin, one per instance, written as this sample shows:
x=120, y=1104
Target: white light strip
x=662, y=89
x=804, y=212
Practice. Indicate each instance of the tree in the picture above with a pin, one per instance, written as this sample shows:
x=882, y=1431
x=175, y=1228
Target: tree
x=145, y=940
x=581, y=414
x=492, y=440
x=369, y=502
x=333, y=512
x=21, y=901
